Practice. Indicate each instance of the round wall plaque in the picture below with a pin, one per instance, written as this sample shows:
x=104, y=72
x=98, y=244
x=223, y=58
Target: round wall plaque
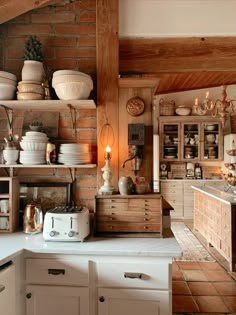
x=135, y=106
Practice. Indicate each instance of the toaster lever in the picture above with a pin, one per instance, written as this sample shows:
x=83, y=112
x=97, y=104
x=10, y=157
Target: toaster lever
x=71, y=222
x=52, y=222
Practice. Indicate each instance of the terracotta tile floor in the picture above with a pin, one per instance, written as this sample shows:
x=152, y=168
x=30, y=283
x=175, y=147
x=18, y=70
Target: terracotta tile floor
x=203, y=287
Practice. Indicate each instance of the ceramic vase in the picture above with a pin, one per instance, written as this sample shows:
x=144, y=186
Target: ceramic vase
x=32, y=71
x=125, y=185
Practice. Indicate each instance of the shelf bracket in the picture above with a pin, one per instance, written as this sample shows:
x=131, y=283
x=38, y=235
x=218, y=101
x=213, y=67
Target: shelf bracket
x=9, y=114
x=72, y=174
x=9, y=171
x=73, y=119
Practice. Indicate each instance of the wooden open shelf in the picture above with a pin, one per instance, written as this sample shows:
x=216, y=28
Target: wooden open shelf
x=49, y=105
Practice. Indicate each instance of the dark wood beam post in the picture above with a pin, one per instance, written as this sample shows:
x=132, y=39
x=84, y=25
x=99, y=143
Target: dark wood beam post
x=107, y=79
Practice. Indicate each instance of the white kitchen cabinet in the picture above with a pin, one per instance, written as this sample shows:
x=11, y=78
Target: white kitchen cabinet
x=7, y=290
x=56, y=300
x=134, y=286
x=138, y=302
x=56, y=285
x=98, y=285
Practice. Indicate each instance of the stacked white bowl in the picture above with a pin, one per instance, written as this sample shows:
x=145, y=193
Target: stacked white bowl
x=72, y=84
x=74, y=153
x=34, y=145
x=8, y=83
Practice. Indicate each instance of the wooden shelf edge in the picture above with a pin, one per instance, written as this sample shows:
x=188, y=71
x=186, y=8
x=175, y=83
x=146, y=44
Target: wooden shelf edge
x=48, y=105
x=48, y=166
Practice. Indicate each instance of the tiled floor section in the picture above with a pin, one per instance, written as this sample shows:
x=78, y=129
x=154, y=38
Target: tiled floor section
x=203, y=287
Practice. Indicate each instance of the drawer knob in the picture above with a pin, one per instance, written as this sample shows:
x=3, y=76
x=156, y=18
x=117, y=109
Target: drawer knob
x=56, y=272
x=133, y=275
x=28, y=295
x=101, y=299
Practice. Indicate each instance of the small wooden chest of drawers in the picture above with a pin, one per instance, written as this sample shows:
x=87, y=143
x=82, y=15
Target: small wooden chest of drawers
x=128, y=214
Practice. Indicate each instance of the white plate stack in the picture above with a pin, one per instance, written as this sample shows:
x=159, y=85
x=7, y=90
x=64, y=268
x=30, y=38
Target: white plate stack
x=74, y=153
x=34, y=144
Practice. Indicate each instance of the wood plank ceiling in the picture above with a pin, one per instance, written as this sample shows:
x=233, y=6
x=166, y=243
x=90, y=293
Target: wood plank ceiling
x=180, y=63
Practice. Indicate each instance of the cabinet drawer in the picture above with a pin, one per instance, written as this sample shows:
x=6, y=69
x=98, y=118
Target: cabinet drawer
x=147, y=204
x=129, y=217
x=54, y=271
x=133, y=275
x=128, y=227
x=111, y=204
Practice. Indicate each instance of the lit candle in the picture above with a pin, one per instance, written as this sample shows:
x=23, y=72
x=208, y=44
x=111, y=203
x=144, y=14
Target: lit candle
x=196, y=101
x=108, y=152
x=207, y=94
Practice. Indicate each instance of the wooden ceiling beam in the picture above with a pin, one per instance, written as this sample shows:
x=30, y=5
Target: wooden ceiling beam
x=9, y=9
x=192, y=54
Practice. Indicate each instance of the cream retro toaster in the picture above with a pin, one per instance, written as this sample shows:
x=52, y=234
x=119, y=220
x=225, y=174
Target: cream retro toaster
x=65, y=223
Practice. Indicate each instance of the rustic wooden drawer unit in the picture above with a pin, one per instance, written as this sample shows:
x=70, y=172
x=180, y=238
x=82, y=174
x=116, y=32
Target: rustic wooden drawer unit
x=128, y=214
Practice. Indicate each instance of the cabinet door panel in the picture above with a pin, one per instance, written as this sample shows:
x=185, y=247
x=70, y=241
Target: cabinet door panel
x=54, y=300
x=137, y=302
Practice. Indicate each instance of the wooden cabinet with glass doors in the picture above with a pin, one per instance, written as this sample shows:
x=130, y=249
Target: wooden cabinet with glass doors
x=194, y=138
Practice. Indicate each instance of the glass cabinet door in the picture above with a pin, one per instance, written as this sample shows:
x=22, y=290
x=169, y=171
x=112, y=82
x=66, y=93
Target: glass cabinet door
x=170, y=141
x=191, y=141
x=212, y=141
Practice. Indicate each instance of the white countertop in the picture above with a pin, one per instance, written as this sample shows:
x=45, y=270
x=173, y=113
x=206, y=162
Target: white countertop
x=12, y=244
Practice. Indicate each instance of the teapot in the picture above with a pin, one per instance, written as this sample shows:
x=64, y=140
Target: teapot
x=33, y=218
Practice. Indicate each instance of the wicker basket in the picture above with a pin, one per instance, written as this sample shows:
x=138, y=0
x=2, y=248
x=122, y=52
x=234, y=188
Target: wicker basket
x=166, y=108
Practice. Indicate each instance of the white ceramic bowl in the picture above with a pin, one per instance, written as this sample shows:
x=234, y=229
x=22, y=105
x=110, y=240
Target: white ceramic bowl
x=67, y=72
x=210, y=127
x=33, y=146
x=72, y=78
x=32, y=140
x=10, y=156
x=72, y=90
x=183, y=111
x=8, y=75
x=29, y=96
x=210, y=138
x=35, y=134
x=7, y=91
x=32, y=154
x=7, y=81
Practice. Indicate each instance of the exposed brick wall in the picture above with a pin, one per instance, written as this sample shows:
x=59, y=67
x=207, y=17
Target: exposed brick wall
x=68, y=37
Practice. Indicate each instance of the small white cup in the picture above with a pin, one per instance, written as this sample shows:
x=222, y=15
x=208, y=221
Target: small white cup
x=4, y=205
x=4, y=223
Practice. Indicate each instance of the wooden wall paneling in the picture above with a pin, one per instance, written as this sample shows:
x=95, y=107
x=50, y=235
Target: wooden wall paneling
x=125, y=93
x=107, y=51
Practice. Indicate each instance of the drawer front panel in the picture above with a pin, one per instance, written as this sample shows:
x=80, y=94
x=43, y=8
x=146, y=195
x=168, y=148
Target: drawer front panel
x=137, y=217
x=52, y=271
x=128, y=227
x=132, y=275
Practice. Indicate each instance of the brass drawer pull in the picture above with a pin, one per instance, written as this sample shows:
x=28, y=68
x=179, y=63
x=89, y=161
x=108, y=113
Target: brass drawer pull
x=133, y=275
x=56, y=272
